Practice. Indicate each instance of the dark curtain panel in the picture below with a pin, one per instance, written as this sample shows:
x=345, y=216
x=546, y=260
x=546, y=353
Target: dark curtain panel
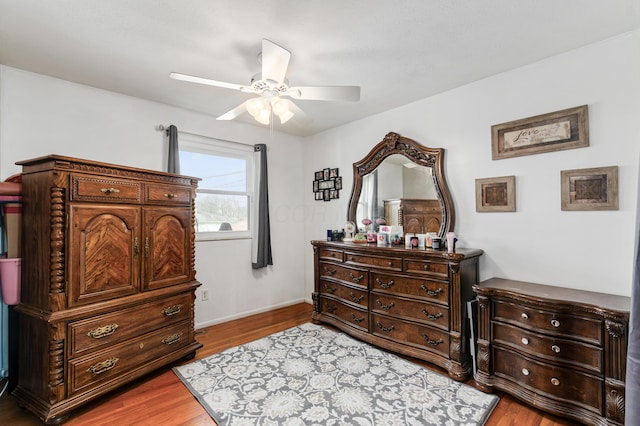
x=632, y=382
x=263, y=253
x=174, y=152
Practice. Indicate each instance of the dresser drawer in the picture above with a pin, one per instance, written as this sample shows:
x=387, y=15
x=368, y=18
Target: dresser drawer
x=99, y=367
x=437, y=291
x=552, y=349
x=167, y=194
x=391, y=263
x=558, y=323
x=349, y=275
x=350, y=294
x=89, y=188
x=329, y=254
x=415, y=310
x=109, y=329
x=421, y=336
x=435, y=269
x=554, y=382
x=346, y=313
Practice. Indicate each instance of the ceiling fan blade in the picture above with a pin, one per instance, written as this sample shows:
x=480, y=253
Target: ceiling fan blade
x=275, y=61
x=325, y=93
x=237, y=111
x=209, y=82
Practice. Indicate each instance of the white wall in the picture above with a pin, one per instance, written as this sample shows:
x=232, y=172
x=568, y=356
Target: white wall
x=590, y=250
x=40, y=115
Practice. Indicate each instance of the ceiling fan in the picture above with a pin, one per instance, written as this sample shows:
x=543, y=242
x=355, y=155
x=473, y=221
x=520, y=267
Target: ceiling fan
x=272, y=87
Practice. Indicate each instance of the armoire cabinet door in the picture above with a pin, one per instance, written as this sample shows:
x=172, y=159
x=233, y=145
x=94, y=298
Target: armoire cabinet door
x=104, y=252
x=167, y=242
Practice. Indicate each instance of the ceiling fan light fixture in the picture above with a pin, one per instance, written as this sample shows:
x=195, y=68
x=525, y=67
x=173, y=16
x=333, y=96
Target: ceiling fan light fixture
x=285, y=116
x=263, y=116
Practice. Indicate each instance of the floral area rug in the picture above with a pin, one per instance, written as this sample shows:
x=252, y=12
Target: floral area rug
x=310, y=375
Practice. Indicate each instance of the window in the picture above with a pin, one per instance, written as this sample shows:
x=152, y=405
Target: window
x=224, y=194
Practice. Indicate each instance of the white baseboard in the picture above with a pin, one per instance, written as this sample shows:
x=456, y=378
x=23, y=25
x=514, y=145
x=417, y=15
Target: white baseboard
x=249, y=313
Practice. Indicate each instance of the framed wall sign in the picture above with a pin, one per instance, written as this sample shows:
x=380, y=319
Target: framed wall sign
x=566, y=129
x=496, y=194
x=589, y=189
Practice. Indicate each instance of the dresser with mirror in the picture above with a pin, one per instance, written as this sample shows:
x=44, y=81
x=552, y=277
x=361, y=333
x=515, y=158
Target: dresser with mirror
x=410, y=301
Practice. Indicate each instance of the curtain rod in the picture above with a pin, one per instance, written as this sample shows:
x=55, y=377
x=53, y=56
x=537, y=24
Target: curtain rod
x=161, y=127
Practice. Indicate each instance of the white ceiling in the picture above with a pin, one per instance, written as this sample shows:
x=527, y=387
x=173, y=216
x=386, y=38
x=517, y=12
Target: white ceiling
x=398, y=51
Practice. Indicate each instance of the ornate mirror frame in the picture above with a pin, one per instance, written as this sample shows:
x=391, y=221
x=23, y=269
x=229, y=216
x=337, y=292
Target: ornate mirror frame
x=393, y=143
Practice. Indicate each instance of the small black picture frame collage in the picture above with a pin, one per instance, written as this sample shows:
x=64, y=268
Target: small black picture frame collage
x=327, y=185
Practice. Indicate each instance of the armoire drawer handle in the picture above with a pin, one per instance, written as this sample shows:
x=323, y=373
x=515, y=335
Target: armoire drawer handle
x=356, y=279
x=432, y=317
x=433, y=343
x=385, y=285
x=524, y=316
x=383, y=328
x=171, y=310
x=555, y=382
x=431, y=292
x=110, y=190
x=170, y=340
x=353, y=317
x=555, y=323
x=525, y=341
x=555, y=348
x=383, y=306
x=104, y=331
x=355, y=298
x=170, y=195
x=103, y=366
x=136, y=247
x=525, y=372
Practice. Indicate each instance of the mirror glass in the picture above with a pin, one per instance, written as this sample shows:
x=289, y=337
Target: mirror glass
x=401, y=182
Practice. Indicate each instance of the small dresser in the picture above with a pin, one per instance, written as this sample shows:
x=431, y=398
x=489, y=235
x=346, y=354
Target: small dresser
x=407, y=301
x=558, y=349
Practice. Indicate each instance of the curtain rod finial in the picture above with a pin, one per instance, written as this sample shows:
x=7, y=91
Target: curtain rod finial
x=160, y=127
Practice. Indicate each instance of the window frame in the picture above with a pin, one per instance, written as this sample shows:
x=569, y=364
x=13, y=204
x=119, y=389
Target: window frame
x=221, y=148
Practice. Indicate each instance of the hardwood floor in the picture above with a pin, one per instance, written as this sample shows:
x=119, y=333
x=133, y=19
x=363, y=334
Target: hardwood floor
x=161, y=399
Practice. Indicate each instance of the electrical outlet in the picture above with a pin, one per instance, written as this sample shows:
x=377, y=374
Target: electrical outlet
x=205, y=295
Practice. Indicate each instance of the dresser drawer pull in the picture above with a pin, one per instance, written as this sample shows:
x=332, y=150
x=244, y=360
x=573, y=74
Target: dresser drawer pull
x=104, y=331
x=351, y=258
x=525, y=372
x=431, y=292
x=330, y=271
x=390, y=264
x=555, y=382
x=433, y=343
x=383, y=328
x=426, y=267
x=353, y=317
x=524, y=316
x=385, y=285
x=555, y=323
x=103, y=366
x=170, y=195
x=171, y=310
x=332, y=254
x=432, y=317
x=170, y=340
x=110, y=190
x=329, y=289
x=355, y=298
x=383, y=306
x=331, y=309
x=525, y=341
x=555, y=348
x=356, y=279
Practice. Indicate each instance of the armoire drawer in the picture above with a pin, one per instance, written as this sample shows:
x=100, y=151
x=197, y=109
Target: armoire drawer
x=167, y=194
x=422, y=336
x=350, y=294
x=563, y=351
x=436, y=291
x=101, y=366
x=355, y=317
x=381, y=262
x=415, y=310
x=557, y=323
x=91, y=188
x=109, y=329
x=354, y=276
x=556, y=382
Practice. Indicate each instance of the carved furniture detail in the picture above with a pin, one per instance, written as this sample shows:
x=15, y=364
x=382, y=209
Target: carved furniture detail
x=560, y=350
x=108, y=279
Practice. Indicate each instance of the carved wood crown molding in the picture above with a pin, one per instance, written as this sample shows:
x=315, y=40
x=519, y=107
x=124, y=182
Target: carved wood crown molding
x=396, y=144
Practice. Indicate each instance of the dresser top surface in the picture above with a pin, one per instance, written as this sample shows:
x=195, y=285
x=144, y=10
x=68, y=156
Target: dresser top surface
x=395, y=250
x=554, y=294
